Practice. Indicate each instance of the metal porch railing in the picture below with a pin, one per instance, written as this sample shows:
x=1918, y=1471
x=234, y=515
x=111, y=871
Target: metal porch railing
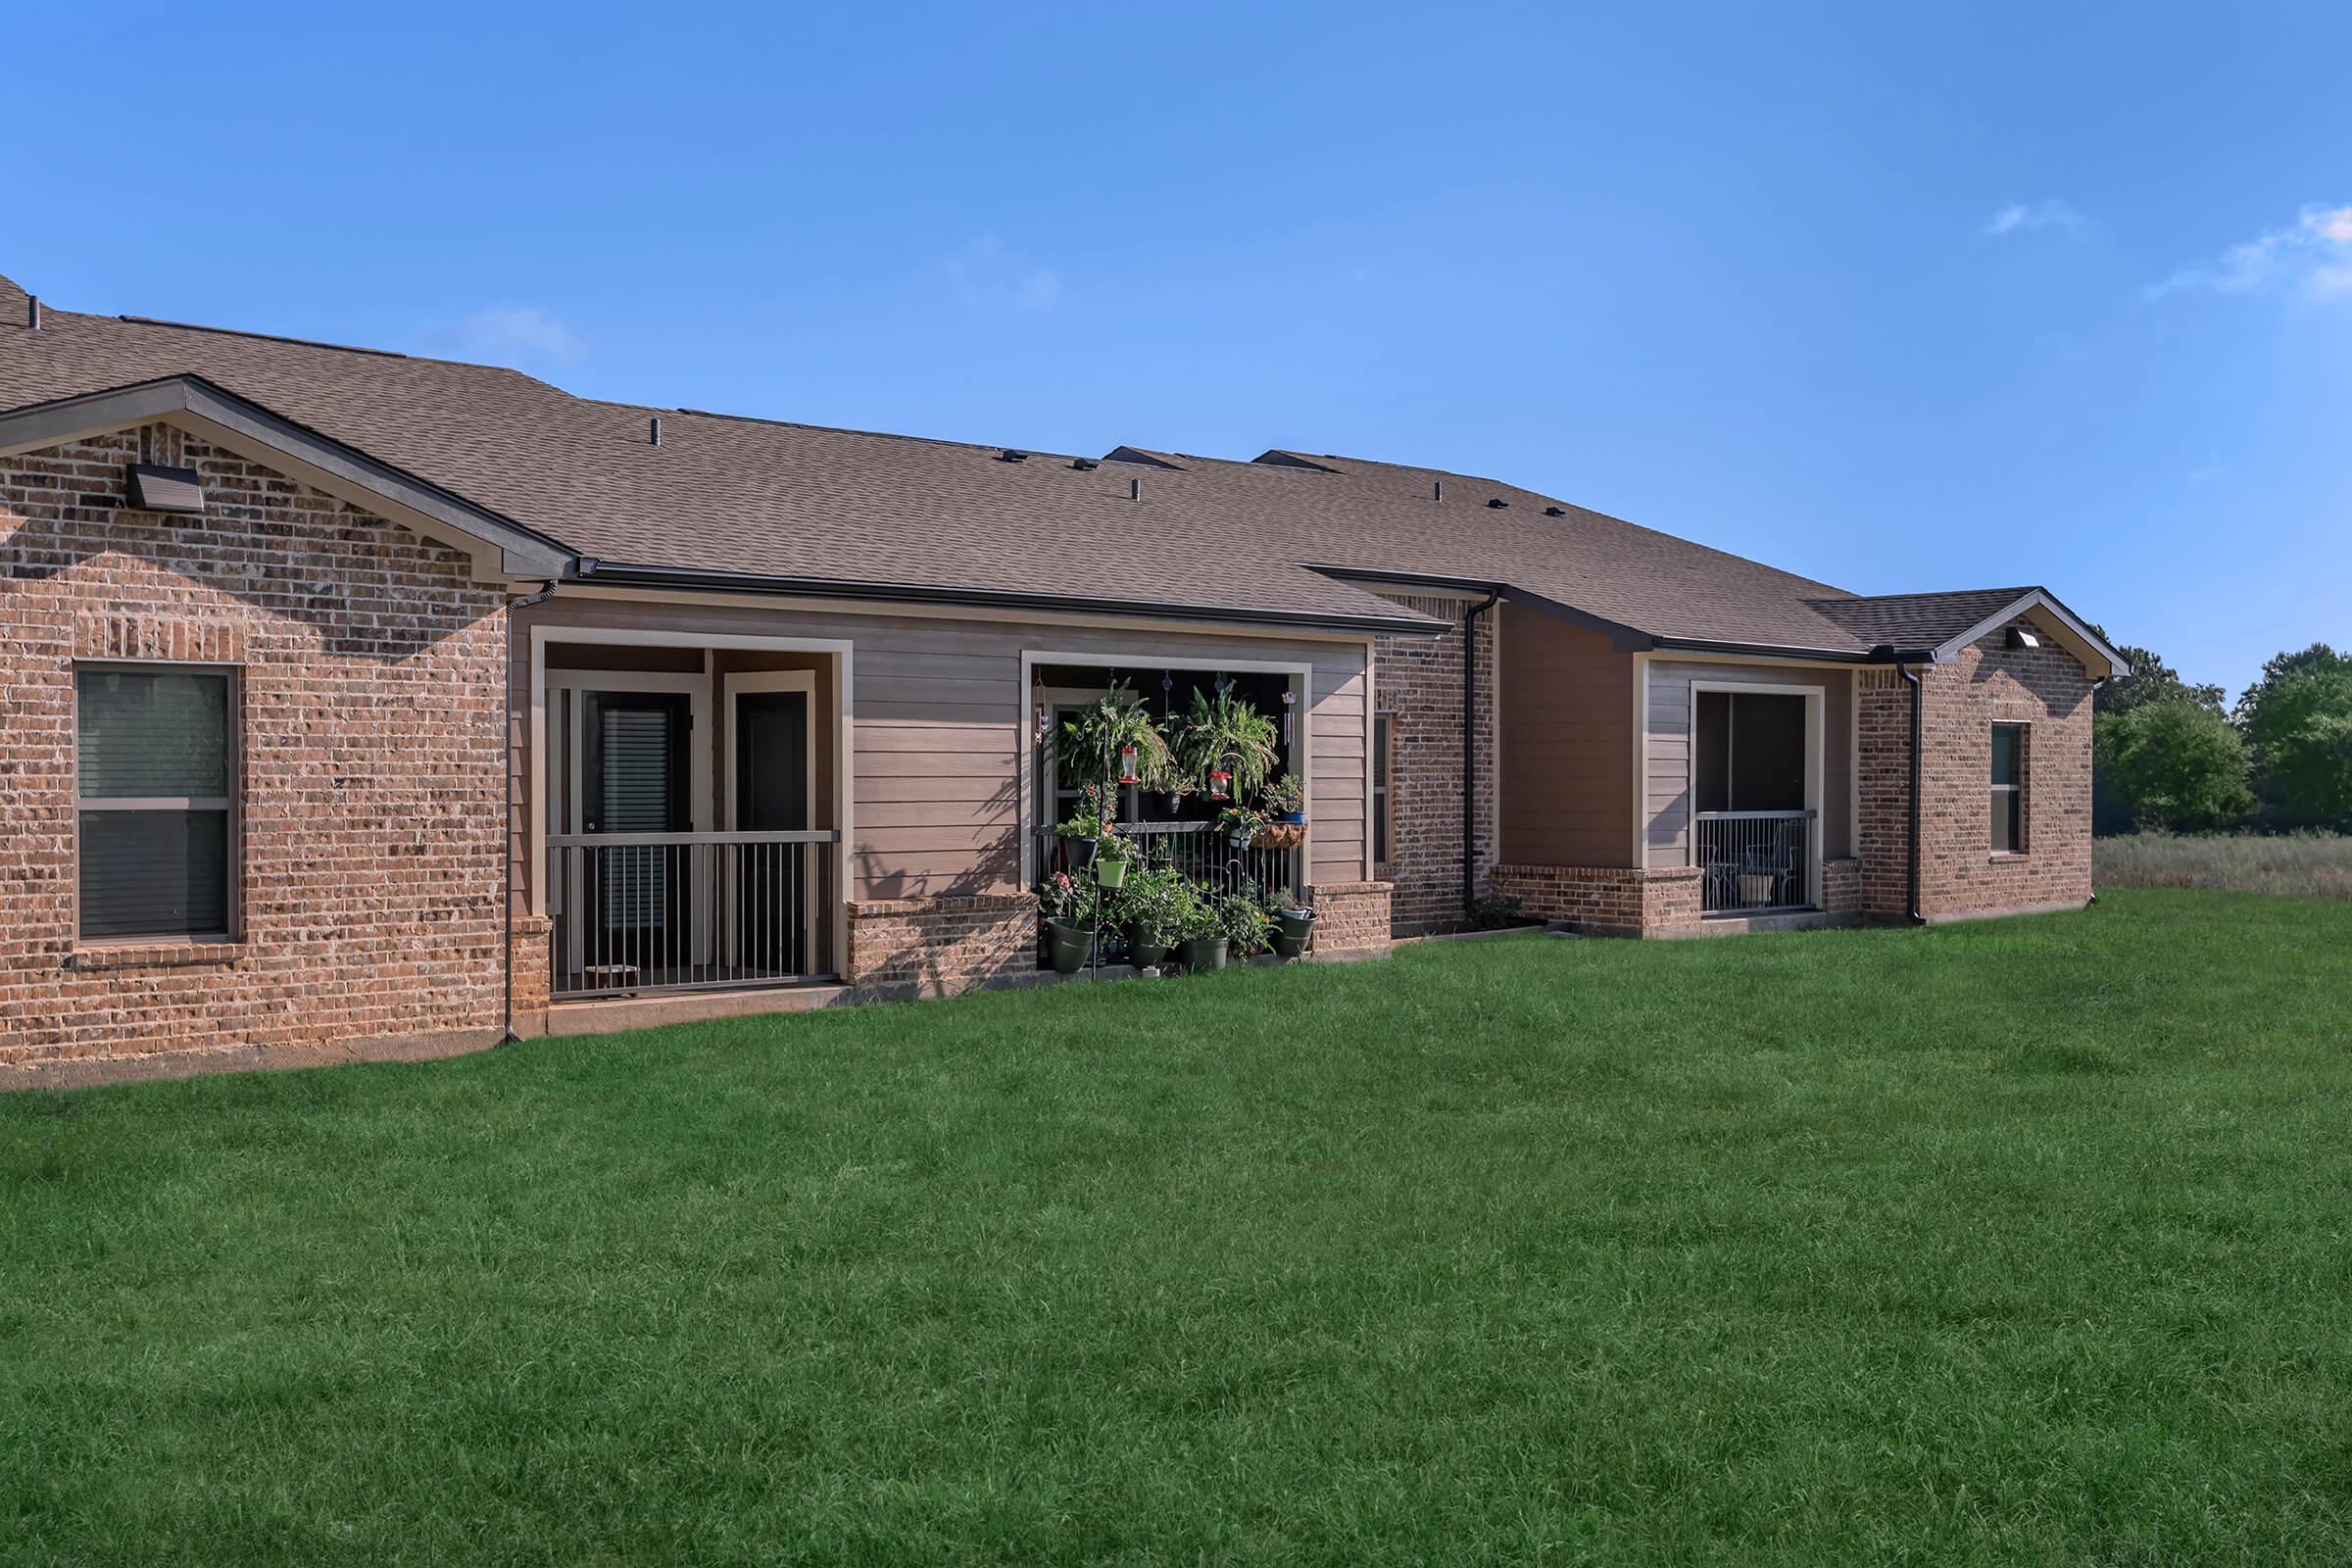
x=673, y=911
x=1753, y=862
x=1199, y=850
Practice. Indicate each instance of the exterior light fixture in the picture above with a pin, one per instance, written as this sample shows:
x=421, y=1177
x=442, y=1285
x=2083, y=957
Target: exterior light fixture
x=2020, y=637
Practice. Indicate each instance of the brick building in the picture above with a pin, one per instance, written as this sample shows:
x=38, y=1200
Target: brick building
x=360, y=706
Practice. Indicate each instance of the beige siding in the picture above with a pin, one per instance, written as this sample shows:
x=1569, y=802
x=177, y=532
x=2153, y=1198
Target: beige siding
x=1567, y=754
x=1666, y=810
x=939, y=719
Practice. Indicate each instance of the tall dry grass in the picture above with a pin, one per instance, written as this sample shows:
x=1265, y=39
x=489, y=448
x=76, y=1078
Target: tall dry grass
x=2311, y=865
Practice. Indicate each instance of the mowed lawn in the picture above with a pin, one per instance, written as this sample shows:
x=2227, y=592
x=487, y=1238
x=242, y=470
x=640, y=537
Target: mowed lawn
x=2018, y=1243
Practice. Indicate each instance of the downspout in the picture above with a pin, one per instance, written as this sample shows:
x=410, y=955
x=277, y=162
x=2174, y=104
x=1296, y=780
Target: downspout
x=514, y=798
x=1470, y=753
x=1918, y=730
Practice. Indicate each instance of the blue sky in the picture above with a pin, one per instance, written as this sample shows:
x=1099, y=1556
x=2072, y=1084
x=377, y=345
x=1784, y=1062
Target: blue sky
x=1901, y=300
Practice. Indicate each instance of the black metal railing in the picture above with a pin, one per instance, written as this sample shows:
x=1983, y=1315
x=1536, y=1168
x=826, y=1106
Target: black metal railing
x=673, y=911
x=1202, y=851
x=1753, y=862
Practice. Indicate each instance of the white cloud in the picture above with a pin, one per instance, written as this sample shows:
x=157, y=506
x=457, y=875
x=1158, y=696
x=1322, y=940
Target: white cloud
x=2312, y=255
x=990, y=273
x=513, y=331
x=2031, y=218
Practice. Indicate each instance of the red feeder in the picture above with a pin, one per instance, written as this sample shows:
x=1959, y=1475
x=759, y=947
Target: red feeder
x=1127, y=772
x=1220, y=785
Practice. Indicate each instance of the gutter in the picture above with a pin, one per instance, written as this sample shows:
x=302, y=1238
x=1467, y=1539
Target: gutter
x=1470, y=750
x=506, y=857
x=697, y=581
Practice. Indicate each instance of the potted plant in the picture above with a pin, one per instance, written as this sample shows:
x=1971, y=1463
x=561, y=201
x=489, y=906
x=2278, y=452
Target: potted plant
x=1070, y=927
x=1115, y=731
x=1286, y=799
x=1200, y=943
x=1224, y=734
x=1240, y=824
x=1293, y=929
x=1096, y=820
x=1242, y=922
x=1151, y=907
x=1112, y=857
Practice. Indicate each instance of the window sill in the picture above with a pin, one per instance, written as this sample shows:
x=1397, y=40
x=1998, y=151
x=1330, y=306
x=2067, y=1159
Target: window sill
x=171, y=953
x=2003, y=857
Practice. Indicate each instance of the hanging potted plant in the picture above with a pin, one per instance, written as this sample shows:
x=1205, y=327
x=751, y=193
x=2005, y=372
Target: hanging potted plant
x=1114, y=735
x=1224, y=746
x=1069, y=929
x=1112, y=857
x=1095, y=820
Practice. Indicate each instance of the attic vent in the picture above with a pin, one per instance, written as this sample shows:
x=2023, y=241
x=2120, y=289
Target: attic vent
x=1496, y=502
x=2020, y=637
x=1555, y=511
x=1011, y=456
x=155, y=488
x=654, y=435
x=1437, y=490
x=1084, y=465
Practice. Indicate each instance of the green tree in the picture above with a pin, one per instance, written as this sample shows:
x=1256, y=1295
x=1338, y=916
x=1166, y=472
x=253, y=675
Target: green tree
x=2318, y=657
x=2174, y=765
x=2151, y=680
x=2299, y=718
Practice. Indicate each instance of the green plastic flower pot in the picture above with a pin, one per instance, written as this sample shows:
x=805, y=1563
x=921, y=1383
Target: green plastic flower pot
x=1293, y=930
x=1068, y=946
x=1201, y=952
x=1112, y=873
x=1143, y=952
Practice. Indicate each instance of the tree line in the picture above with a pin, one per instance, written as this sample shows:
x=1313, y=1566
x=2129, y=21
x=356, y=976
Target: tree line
x=2169, y=757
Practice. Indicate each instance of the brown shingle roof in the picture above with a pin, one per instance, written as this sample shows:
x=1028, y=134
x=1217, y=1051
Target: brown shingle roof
x=1917, y=621
x=760, y=498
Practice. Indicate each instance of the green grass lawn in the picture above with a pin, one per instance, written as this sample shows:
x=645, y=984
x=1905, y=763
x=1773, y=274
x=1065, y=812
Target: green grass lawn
x=2018, y=1243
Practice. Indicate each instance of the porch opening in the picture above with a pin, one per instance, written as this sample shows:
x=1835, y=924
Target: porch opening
x=690, y=804
x=1755, y=821
x=1179, y=828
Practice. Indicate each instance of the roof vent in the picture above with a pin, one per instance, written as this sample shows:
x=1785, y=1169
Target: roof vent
x=1437, y=490
x=1008, y=454
x=1135, y=489
x=1555, y=511
x=152, y=487
x=1496, y=502
x=654, y=435
x=2020, y=637
x=1085, y=464
x=32, y=312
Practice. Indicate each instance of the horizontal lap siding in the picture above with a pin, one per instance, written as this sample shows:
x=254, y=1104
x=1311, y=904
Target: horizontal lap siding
x=1666, y=810
x=939, y=724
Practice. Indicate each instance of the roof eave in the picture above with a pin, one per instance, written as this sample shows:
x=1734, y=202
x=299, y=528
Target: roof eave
x=2071, y=624
x=621, y=574
x=214, y=411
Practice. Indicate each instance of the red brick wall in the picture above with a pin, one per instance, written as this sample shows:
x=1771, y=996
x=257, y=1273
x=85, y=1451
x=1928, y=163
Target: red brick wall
x=2044, y=688
x=1419, y=682
x=1351, y=916
x=1605, y=899
x=940, y=944
x=371, y=802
